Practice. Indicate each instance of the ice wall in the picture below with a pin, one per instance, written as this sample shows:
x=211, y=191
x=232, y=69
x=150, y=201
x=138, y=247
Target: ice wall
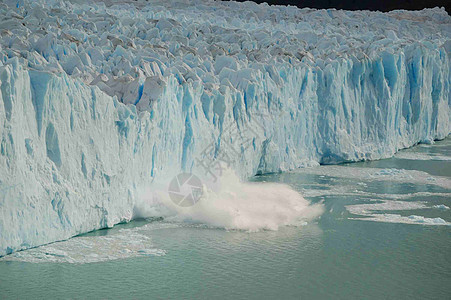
x=73, y=158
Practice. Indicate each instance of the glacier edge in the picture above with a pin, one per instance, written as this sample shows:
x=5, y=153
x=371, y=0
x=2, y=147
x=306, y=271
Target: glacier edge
x=72, y=157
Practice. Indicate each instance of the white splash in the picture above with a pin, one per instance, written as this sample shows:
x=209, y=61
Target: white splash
x=232, y=204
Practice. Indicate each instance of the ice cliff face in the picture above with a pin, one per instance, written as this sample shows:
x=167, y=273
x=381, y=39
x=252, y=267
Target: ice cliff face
x=99, y=100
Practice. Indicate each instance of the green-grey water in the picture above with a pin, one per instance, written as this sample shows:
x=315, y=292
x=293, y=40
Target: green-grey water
x=399, y=250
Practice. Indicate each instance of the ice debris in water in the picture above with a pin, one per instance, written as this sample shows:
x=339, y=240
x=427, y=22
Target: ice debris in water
x=441, y=206
x=374, y=212
x=126, y=243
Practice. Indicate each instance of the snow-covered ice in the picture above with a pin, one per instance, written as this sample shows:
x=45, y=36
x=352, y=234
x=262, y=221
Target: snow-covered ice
x=98, y=100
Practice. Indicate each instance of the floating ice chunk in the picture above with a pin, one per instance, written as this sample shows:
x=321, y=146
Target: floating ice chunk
x=413, y=219
x=377, y=174
x=373, y=212
x=421, y=156
x=441, y=206
x=428, y=221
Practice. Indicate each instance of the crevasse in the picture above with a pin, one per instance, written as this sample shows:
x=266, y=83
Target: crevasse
x=74, y=153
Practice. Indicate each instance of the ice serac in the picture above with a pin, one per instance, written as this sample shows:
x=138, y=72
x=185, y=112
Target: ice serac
x=100, y=100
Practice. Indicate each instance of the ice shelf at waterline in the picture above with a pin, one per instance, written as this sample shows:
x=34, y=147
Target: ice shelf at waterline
x=98, y=100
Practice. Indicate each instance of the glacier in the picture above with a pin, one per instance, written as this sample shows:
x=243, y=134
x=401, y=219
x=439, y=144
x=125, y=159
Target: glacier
x=101, y=100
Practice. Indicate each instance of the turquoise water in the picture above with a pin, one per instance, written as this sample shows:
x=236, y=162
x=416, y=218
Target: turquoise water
x=386, y=251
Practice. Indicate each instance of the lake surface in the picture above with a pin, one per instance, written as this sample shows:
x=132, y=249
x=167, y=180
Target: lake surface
x=385, y=233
